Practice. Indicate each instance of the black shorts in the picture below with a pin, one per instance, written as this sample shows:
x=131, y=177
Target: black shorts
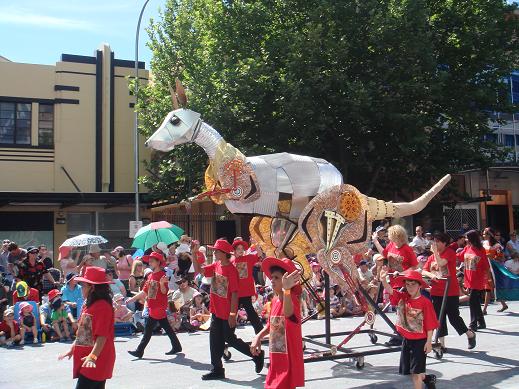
x=412, y=358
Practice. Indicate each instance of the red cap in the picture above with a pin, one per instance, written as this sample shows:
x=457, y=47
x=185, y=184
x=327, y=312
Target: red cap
x=240, y=242
x=159, y=257
x=94, y=275
x=145, y=259
x=222, y=245
x=53, y=294
x=287, y=264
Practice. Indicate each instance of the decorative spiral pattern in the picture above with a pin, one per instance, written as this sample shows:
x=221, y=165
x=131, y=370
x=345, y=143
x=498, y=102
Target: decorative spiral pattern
x=370, y=318
x=237, y=192
x=335, y=256
x=349, y=206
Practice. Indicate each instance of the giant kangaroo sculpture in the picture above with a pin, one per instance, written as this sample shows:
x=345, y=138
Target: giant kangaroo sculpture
x=301, y=204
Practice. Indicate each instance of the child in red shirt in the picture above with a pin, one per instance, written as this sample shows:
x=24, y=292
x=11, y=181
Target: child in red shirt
x=224, y=307
x=247, y=287
x=286, y=369
x=155, y=291
x=416, y=323
x=9, y=329
x=93, y=351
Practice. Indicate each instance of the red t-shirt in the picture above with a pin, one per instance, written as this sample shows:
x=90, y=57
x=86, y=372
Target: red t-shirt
x=245, y=265
x=286, y=369
x=414, y=316
x=476, y=267
x=406, y=257
x=96, y=320
x=447, y=271
x=4, y=327
x=33, y=295
x=224, y=283
x=157, y=301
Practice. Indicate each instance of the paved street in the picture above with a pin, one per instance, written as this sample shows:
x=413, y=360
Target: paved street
x=494, y=364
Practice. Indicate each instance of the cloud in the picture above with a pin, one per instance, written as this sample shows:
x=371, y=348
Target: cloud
x=44, y=21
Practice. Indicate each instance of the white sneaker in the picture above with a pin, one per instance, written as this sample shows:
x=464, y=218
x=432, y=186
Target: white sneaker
x=35, y=341
x=22, y=342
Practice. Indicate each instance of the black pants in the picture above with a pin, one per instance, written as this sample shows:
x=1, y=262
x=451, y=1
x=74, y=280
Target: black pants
x=476, y=314
x=87, y=383
x=148, y=331
x=219, y=334
x=452, y=312
x=246, y=303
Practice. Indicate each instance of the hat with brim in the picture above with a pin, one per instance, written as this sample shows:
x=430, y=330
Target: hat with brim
x=409, y=275
x=285, y=263
x=24, y=305
x=159, y=257
x=32, y=248
x=240, y=242
x=222, y=245
x=70, y=277
x=94, y=275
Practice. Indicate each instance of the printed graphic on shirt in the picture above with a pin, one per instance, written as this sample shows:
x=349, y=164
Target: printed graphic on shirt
x=243, y=270
x=439, y=271
x=220, y=285
x=278, y=340
x=84, y=335
x=410, y=319
x=471, y=262
x=395, y=262
x=153, y=289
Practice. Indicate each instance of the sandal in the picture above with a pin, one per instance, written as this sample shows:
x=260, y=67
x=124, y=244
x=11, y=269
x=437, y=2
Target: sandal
x=504, y=308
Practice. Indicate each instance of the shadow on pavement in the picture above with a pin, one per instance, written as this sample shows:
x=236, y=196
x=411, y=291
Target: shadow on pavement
x=180, y=359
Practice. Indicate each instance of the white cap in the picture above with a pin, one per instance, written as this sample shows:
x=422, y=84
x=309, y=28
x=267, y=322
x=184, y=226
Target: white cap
x=162, y=247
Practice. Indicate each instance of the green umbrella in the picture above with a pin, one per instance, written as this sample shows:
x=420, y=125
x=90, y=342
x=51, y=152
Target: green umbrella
x=154, y=233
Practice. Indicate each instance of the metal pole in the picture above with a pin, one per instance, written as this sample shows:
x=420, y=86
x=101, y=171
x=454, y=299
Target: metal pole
x=327, y=324
x=136, y=129
x=513, y=118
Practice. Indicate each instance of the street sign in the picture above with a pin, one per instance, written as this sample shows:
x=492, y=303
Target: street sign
x=134, y=227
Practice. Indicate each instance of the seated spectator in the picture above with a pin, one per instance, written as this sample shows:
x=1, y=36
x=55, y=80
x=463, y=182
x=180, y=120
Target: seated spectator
x=58, y=318
x=265, y=313
x=513, y=264
x=335, y=305
x=4, y=300
x=86, y=262
x=44, y=256
x=54, y=301
x=121, y=312
x=27, y=322
x=184, y=295
x=48, y=286
x=71, y=294
x=116, y=286
x=198, y=313
x=9, y=329
x=512, y=247
x=136, y=276
x=24, y=293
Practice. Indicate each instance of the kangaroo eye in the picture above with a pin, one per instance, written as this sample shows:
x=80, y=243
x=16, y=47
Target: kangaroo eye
x=175, y=120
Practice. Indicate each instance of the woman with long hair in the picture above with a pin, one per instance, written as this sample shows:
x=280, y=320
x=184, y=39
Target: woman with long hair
x=476, y=264
x=495, y=252
x=94, y=350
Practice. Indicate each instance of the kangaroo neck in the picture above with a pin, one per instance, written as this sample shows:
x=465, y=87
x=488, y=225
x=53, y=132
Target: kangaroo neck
x=208, y=139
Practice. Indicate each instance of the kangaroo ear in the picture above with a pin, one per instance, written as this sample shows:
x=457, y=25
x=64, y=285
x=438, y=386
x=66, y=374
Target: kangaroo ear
x=174, y=99
x=181, y=93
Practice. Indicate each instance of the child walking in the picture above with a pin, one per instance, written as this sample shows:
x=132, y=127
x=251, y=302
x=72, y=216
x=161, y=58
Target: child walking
x=27, y=322
x=286, y=369
x=416, y=321
x=155, y=291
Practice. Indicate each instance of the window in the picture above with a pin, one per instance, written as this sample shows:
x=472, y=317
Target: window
x=15, y=123
x=491, y=138
x=46, y=125
x=509, y=140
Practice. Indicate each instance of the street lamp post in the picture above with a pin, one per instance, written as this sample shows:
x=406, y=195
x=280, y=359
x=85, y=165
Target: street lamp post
x=136, y=129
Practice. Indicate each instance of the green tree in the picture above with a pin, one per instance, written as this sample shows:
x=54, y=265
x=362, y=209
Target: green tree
x=395, y=93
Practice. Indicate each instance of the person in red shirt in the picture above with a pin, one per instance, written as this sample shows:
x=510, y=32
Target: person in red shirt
x=476, y=269
x=24, y=293
x=93, y=351
x=9, y=329
x=155, y=291
x=442, y=264
x=416, y=321
x=224, y=306
x=247, y=287
x=286, y=369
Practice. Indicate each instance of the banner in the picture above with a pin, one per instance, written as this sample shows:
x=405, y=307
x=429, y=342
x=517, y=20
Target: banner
x=507, y=283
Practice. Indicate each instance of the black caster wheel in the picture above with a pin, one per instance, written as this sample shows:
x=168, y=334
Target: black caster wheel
x=227, y=355
x=373, y=338
x=359, y=363
x=438, y=354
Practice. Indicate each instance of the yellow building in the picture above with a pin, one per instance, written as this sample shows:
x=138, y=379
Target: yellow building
x=66, y=149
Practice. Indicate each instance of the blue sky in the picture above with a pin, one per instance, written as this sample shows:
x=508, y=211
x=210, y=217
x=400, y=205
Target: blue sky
x=38, y=31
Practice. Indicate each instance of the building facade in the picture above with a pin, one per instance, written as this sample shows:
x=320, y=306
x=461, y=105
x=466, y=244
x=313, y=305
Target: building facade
x=66, y=149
